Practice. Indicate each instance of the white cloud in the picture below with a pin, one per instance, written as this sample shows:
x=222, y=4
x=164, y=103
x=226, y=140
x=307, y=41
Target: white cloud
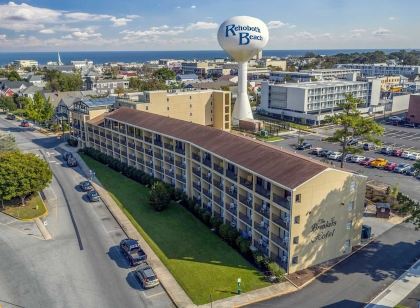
x=47, y=31
x=392, y=18
x=3, y=37
x=305, y=35
x=193, y=6
x=84, y=35
x=81, y=16
x=275, y=24
x=119, y=22
x=381, y=32
x=133, y=16
x=357, y=33
x=152, y=33
x=202, y=25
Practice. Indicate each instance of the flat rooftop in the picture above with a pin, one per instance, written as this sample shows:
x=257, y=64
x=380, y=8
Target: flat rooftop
x=285, y=168
x=319, y=84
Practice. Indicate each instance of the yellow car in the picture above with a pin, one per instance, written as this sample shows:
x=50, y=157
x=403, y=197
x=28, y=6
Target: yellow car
x=378, y=163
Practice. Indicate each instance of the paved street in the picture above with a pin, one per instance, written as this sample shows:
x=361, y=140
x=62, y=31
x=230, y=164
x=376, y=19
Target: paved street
x=81, y=266
x=358, y=279
x=407, y=184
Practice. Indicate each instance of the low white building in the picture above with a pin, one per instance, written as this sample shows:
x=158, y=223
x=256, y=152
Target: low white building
x=25, y=63
x=383, y=69
x=315, y=75
x=311, y=102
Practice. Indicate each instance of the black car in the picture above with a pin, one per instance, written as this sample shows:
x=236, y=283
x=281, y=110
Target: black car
x=72, y=162
x=67, y=155
x=86, y=186
x=93, y=196
x=132, y=251
x=10, y=116
x=304, y=146
x=412, y=171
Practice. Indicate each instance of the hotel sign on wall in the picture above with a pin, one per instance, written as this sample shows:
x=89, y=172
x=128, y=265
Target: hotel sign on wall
x=323, y=229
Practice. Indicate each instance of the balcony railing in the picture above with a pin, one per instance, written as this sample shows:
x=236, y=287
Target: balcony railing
x=233, y=210
x=169, y=159
x=245, y=200
x=116, y=139
x=169, y=146
x=207, y=162
x=108, y=136
x=132, y=157
x=159, y=169
x=246, y=219
x=180, y=164
x=218, y=200
x=141, y=161
x=265, y=212
x=180, y=150
x=207, y=193
x=231, y=175
x=280, y=241
x=149, y=164
x=281, y=221
x=218, y=168
x=109, y=147
x=281, y=201
x=196, y=157
x=262, y=191
x=197, y=186
x=169, y=172
x=207, y=178
x=262, y=230
x=246, y=183
x=131, y=145
x=158, y=155
x=261, y=247
x=282, y=262
x=218, y=184
x=196, y=171
x=140, y=149
x=102, y=134
x=148, y=152
x=181, y=178
x=232, y=192
x=157, y=142
x=130, y=133
x=148, y=139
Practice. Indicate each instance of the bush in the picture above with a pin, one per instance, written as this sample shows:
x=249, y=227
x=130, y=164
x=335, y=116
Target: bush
x=159, y=196
x=275, y=269
x=261, y=261
x=215, y=222
x=205, y=217
x=72, y=142
x=243, y=245
x=224, y=231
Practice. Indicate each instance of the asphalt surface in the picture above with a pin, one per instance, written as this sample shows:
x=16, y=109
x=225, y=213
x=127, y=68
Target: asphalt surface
x=407, y=184
x=358, y=279
x=82, y=266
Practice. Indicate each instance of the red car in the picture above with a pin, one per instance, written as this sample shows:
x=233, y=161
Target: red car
x=366, y=162
x=390, y=166
x=397, y=152
x=24, y=123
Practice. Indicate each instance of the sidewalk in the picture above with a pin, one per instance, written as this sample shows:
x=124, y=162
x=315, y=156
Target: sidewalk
x=171, y=286
x=399, y=289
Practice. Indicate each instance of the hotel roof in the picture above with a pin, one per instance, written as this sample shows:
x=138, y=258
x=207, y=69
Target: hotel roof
x=280, y=166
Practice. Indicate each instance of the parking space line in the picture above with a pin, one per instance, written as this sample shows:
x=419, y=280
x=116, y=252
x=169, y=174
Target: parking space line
x=153, y=295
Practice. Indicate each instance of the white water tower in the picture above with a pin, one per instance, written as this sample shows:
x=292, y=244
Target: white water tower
x=242, y=37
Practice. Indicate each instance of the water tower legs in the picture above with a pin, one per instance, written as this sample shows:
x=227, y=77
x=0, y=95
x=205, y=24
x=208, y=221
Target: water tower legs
x=242, y=109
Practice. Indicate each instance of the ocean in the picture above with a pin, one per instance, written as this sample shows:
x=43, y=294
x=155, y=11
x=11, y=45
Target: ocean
x=100, y=57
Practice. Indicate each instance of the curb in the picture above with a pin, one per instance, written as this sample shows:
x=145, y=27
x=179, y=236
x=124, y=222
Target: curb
x=33, y=218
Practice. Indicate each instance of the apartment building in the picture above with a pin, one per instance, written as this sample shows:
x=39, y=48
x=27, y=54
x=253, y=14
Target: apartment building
x=204, y=107
x=310, y=102
x=382, y=69
x=413, y=114
x=195, y=67
x=106, y=86
x=315, y=75
x=295, y=210
x=25, y=63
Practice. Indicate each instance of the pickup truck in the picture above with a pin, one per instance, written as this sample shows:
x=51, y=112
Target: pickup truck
x=132, y=251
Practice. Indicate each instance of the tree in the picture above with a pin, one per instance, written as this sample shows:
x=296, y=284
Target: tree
x=353, y=124
x=164, y=74
x=13, y=76
x=7, y=143
x=119, y=91
x=7, y=103
x=58, y=81
x=39, y=109
x=22, y=174
x=159, y=197
x=134, y=83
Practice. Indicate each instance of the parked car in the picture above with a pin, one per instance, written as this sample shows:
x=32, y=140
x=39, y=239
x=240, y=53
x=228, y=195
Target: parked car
x=24, y=123
x=401, y=168
x=66, y=155
x=348, y=157
x=390, y=166
x=335, y=155
x=316, y=151
x=366, y=162
x=146, y=276
x=10, y=116
x=325, y=153
x=405, y=154
x=369, y=146
x=414, y=156
x=395, y=119
x=352, y=141
x=397, y=152
x=411, y=171
x=132, y=251
x=357, y=158
x=304, y=146
x=86, y=186
x=386, y=150
x=93, y=196
x=72, y=162
x=378, y=163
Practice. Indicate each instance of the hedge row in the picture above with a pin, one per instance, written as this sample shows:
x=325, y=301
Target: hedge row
x=225, y=231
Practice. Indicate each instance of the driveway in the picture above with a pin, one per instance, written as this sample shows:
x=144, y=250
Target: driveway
x=358, y=279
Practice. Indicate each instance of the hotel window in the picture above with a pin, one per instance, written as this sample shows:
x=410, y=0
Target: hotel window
x=297, y=219
x=167, y=99
x=167, y=108
x=147, y=107
x=296, y=240
x=190, y=114
x=298, y=198
x=349, y=224
x=295, y=260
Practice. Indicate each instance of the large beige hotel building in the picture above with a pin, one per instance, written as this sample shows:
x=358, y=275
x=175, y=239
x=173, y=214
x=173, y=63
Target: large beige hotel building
x=295, y=210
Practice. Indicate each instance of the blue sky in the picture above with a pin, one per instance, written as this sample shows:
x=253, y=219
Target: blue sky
x=50, y=25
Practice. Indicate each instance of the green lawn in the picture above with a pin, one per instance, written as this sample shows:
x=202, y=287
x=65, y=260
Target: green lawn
x=34, y=207
x=269, y=138
x=200, y=261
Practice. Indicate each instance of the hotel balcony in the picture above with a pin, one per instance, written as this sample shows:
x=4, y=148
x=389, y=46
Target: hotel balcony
x=181, y=178
x=159, y=168
x=169, y=159
x=232, y=192
x=281, y=221
x=245, y=200
x=207, y=162
x=197, y=186
x=109, y=136
x=132, y=157
x=207, y=177
x=245, y=218
x=233, y=209
x=196, y=157
x=158, y=155
x=218, y=200
x=148, y=139
x=262, y=191
x=157, y=142
x=116, y=139
x=231, y=175
x=180, y=150
x=261, y=247
x=131, y=145
x=197, y=200
x=281, y=201
x=207, y=193
x=262, y=229
x=282, y=242
x=109, y=147
x=148, y=152
x=218, y=168
x=282, y=262
x=246, y=183
x=263, y=211
x=169, y=146
x=102, y=134
x=140, y=148
x=180, y=164
x=218, y=184
x=196, y=171
x=169, y=172
x=149, y=164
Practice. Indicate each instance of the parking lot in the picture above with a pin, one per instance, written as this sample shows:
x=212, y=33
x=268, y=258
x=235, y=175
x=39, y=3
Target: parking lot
x=406, y=138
